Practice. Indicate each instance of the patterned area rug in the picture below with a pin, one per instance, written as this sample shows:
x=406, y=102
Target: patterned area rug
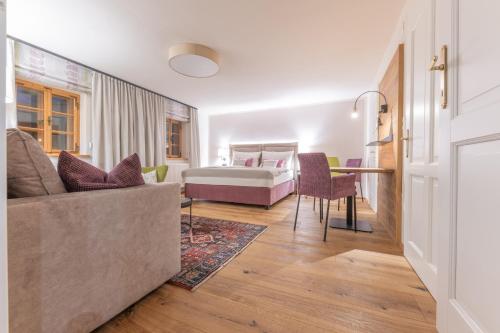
x=209, y=245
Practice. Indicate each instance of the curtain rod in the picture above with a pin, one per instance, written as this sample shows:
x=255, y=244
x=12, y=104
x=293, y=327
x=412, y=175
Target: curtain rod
x=96, y=70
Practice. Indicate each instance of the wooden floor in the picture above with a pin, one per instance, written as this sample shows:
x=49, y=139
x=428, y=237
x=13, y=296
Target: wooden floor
x=294, y=282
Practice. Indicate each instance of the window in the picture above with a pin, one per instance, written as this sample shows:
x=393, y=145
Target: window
x=174, y=137
x=50, y=115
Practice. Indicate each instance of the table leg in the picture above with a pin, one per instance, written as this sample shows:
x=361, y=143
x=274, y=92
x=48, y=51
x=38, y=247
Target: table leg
x=346, y=223
x=191, y=213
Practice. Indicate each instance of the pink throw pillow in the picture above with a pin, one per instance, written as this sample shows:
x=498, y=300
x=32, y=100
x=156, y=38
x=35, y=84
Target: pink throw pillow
x=249, y=162
x=78, y=175
x=280, y=163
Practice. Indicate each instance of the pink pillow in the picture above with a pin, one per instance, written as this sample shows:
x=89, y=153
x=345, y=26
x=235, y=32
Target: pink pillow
x=78, y=175
x=249, y=162
x=280, y=163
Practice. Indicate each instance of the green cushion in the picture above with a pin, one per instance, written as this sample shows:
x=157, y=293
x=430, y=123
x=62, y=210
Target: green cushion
x=333, y=161
x=161, y=172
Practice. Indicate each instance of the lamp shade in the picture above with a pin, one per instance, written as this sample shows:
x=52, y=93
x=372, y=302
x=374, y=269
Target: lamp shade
x=193, y=60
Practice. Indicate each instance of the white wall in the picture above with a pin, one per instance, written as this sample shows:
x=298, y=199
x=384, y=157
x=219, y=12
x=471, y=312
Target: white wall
x=4, y=304
x=325, y=128
x=203, y=124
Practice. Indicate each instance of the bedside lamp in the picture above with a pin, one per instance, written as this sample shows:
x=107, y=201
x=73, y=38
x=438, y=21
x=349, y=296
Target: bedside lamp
x=222, y=154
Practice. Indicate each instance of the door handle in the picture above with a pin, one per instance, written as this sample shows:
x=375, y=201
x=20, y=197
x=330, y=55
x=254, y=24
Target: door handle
x=434, y=67
x=406, y=140
x=443, y=69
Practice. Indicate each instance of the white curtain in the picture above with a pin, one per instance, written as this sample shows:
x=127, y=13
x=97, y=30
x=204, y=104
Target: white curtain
x=194, y=157
x=10, y=85
x=126, y=120
x=40, y=66
x=178, y=111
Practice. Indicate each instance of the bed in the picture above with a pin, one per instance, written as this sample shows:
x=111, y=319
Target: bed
x=252, y=184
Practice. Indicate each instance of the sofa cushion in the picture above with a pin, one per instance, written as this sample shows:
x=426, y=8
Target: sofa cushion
x=127, y=172
x=161, y=172
x=30, y=172
x=80, y=176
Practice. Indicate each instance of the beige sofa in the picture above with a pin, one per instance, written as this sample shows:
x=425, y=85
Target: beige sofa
x=78, y=259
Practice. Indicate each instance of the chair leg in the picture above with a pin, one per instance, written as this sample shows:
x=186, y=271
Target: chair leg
x=326, y=221
x=296, y=214
x=314, y=203
x=361, y=188
x=320, y=210
x=355, y=216
x=338, y=206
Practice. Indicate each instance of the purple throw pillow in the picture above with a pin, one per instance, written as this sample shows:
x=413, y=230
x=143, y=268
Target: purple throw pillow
x=249, y=162
x=78, y=175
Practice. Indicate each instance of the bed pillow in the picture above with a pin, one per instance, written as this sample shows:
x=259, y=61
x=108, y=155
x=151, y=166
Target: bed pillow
x=286, y=156
x=244, y=155
x=271, y=163
x=243, y=162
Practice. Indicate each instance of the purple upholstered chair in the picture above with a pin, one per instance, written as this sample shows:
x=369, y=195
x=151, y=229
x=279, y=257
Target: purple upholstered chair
x=356, y=163
x=316, y=181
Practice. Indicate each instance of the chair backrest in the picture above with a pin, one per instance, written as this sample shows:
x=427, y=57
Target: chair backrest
x=333, y=161
x=355, y=163
x=315, y=178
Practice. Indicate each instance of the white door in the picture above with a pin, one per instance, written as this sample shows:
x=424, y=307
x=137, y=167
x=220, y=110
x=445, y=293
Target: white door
x=469, y=238
x=420, y=170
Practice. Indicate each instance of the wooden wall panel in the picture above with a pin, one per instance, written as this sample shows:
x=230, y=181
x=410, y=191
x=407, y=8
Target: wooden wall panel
x=389, y=207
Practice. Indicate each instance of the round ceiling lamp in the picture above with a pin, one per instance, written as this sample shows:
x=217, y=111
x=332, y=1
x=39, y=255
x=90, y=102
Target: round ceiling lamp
x=193, y=60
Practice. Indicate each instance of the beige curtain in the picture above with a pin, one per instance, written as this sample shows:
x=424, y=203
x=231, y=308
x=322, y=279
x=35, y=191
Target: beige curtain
x=126, y=120
x=194, y=153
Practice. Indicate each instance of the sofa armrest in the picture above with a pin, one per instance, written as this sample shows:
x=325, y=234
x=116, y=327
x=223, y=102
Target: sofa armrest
x=78, y=259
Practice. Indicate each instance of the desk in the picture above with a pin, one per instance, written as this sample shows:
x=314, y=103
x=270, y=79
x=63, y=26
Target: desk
x=348, y=224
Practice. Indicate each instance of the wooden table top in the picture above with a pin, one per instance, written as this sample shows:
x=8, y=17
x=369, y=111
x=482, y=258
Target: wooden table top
x=361, y=170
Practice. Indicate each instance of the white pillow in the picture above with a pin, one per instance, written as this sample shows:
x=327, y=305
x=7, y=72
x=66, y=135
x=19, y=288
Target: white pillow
x=150, y=177
x=269, y=163
x=287, y=156
x=244, y=155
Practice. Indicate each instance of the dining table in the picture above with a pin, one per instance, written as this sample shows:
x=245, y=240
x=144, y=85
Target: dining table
x=351, y=222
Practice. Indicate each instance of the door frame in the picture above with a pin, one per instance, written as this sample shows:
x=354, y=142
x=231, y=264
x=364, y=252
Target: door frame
x=4, y=289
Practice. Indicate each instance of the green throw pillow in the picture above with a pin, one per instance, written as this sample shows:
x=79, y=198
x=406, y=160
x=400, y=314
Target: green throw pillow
x=161, y=172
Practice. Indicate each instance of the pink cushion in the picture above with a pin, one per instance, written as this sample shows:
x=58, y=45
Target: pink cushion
x=280, y=163
x=249, y=162
x=79, y=175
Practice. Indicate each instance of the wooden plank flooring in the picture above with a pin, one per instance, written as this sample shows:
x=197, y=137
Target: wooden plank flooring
x=294, y=282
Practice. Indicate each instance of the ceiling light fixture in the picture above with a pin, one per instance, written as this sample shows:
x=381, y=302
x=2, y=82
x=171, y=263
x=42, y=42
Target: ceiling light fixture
x=193, y=60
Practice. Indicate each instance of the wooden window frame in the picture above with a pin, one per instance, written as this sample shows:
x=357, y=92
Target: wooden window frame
x=47, y=93
x=169, y=124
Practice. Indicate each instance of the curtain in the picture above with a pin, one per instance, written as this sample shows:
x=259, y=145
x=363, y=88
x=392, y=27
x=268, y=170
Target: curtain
x=194, y=132
x=40, y=66
x=10, y=85
x=178, y=111
x=126, y=120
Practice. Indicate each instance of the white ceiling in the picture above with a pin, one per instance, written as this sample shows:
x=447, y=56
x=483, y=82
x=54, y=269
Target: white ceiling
x=274, y=53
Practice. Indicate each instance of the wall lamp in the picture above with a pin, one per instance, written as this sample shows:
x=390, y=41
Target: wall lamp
x=383, y=107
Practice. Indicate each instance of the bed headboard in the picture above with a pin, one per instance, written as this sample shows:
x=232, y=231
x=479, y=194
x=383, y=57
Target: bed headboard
x=259, y=147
